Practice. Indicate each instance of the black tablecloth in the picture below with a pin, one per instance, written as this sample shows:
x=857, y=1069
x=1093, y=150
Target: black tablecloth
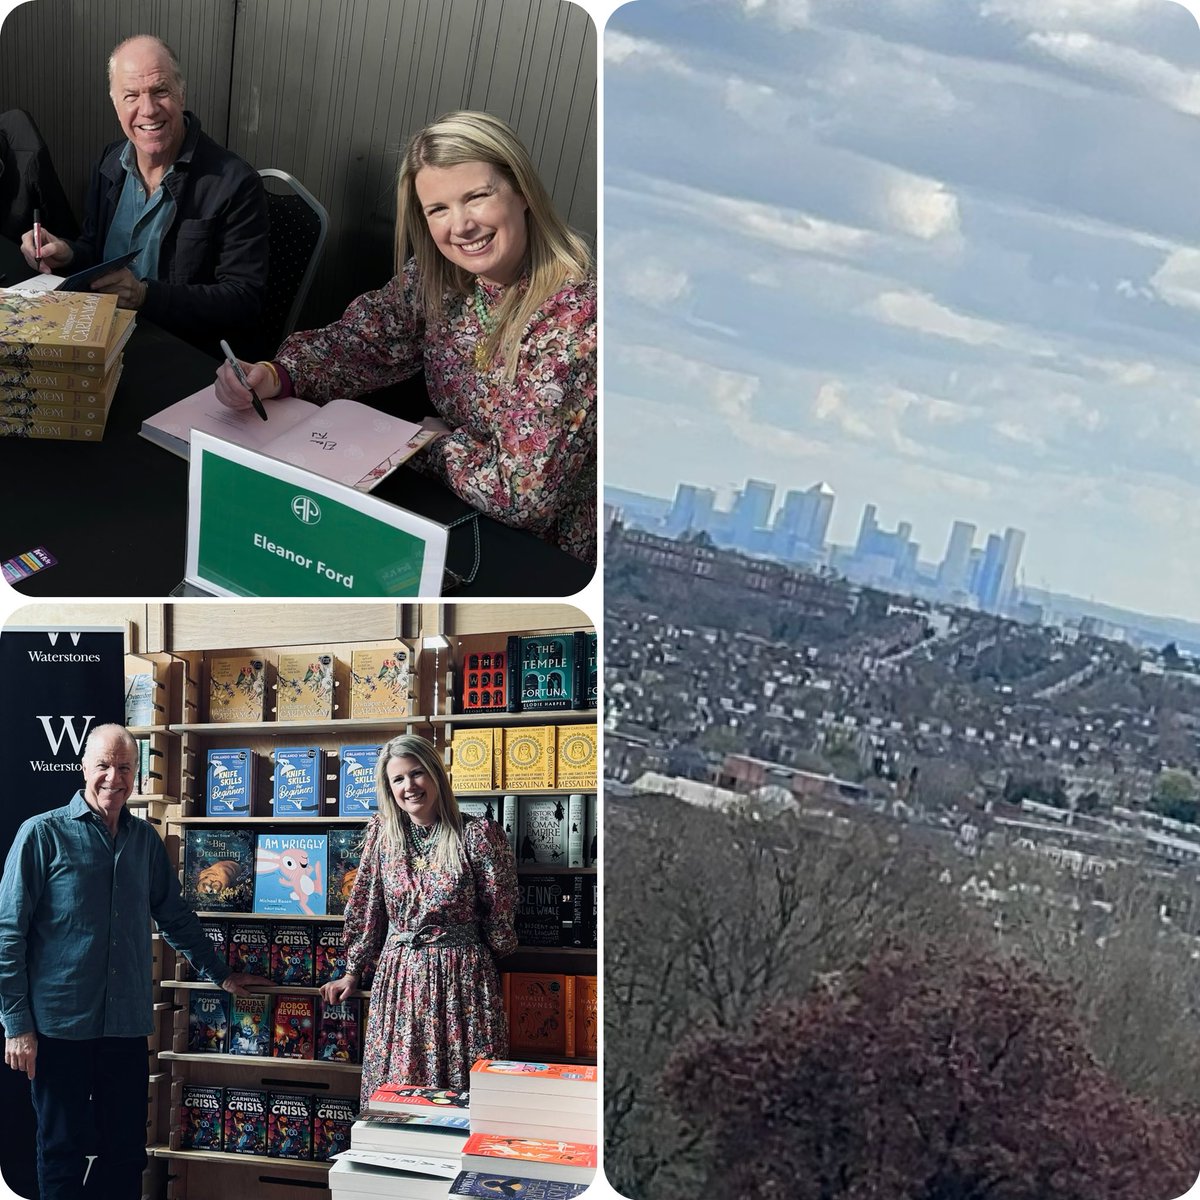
x=114, y=513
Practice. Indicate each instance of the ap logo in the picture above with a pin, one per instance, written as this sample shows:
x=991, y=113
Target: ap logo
x=306, y=509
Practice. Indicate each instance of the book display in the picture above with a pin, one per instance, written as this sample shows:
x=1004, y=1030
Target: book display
x=61, y=357
x=263, y=810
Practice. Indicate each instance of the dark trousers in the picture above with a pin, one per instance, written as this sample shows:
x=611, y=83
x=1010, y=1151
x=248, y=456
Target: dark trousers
x=90, y=1099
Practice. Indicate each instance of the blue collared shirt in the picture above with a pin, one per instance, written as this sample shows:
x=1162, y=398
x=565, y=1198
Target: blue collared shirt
x=141, y=221
x=75, y=913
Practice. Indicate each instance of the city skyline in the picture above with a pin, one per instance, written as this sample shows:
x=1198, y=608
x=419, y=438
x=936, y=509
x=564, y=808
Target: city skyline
x=896, y=262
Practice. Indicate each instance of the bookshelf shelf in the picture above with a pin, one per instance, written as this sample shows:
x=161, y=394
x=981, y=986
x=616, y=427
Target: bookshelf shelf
x=573, y=716
x=259, y=1160
x=546, y=869
x=335, y=725
x=257, y=916
x=288, y=821
x=243, y=1060
x=574, y=951
x=527, y=792
x=199, y=986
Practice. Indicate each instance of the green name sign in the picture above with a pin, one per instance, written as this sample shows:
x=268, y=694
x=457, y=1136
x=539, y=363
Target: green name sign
x=260, y=527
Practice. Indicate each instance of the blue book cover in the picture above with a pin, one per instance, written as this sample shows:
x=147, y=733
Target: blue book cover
x=289, y=874
x=298, y=782
x=356, y=780
x=229, y=786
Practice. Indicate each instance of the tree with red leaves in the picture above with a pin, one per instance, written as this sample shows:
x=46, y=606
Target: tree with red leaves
x=924, y=1075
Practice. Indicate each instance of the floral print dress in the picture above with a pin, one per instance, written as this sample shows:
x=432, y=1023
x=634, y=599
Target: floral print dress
x=434, y=1008
x=521, y=451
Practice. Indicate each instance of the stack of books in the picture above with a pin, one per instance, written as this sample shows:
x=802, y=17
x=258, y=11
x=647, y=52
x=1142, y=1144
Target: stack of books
x=60, y=362
x=406, y=1145
x=533, y=1130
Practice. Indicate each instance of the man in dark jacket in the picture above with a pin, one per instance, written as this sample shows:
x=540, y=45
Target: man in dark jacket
x=195, y=212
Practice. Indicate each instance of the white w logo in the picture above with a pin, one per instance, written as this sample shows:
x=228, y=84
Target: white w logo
x=52, y=634
x=67, y=730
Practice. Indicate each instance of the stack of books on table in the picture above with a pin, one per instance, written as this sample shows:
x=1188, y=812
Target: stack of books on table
x=406, y=1145
x=60, y=361
x=533, y=1131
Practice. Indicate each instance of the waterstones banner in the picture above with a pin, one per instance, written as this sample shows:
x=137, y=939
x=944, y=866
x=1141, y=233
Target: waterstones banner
x=58, y=683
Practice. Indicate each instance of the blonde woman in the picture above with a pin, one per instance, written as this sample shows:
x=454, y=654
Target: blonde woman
x=494, y=298
x=434, y=903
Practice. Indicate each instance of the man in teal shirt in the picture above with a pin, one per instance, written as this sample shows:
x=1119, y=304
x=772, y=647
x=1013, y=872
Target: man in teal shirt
x=80, y=888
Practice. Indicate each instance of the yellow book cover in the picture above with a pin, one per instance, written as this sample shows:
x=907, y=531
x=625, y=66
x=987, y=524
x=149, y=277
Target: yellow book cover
x=529, y=757
x=379, y=682
x=576, y=765
x=305, y=691
x=66, y=327
x=236, y=688
x=473, y=766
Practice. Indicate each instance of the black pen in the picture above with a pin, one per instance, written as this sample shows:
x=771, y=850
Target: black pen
x=237, y=370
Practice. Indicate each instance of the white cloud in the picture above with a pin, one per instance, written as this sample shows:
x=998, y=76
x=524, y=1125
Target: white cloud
x=1055, y=14
x=921, y=208
x=624, y=50
x=758, y=105
x=1177, y=280
x=1152, y=76
x=787, y=14
x=921, y=313
x=652, y=282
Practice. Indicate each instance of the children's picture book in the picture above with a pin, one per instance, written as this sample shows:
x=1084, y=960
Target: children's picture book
x=379, y=681
x=292, y=954
x=356, y=780
x=245, y=1121
x=289, y=1125
x=547, y=671
x=345, y=852
x=505, y=1187
x=218, y=934
x=200, y=1117
x=538, y=1013
x=250, y=1024
x=333, y=1118
x=229, y=783
x=298, y=781
x=65, y=327
x=344, y=440
x=289, y=874
x=208, y=1023
x=305, y=687
x=541, y=911
x=250, y=947
x=528, y=757
x=293, y=1026
x=236, y=688
x=419, y=1101
x=218, y=869
x=543, y=831
x=330, y=953
x=338, y=1037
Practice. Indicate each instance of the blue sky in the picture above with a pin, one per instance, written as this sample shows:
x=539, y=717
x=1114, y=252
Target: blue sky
x=942, y=254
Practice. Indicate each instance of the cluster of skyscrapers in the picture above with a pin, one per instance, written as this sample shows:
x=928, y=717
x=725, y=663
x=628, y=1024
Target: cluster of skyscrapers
x=797, y=532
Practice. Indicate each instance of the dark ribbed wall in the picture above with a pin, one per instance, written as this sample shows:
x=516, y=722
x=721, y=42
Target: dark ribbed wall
x=329, y=90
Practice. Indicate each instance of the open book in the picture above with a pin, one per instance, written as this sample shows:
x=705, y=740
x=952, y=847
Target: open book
x=343, y=440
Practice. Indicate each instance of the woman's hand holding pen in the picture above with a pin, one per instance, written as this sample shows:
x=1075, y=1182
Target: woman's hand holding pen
x=338, y=989
x=55, y=255
x=231, y=393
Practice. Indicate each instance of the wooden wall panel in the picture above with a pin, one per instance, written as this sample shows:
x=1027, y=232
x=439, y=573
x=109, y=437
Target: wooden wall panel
x=54, y=63
x=329, y=91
